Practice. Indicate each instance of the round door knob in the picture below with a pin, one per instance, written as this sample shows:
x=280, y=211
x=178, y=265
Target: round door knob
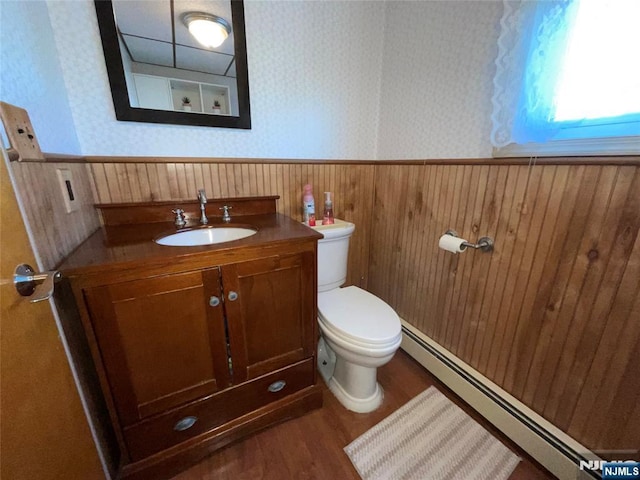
x=214, y=301
x=233, y=296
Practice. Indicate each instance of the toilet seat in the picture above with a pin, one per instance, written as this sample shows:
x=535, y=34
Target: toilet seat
x=359, y=317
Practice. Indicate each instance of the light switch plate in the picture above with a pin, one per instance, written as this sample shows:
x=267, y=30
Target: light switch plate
x=20, y=132
x=67, y=189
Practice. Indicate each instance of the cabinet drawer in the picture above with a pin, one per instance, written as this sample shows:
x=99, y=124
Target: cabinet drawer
x=155, y=434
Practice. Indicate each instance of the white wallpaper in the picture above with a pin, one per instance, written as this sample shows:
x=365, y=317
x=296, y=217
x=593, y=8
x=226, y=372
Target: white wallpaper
x=31, y=77
x=340, y=79
x=314, y=75
x=437, y=79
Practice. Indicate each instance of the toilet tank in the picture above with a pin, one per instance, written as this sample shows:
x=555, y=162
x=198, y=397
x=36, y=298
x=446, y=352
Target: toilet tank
x=333, y=251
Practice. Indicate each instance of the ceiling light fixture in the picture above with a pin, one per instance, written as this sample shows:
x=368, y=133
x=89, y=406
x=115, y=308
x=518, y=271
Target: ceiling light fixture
x=209, y=30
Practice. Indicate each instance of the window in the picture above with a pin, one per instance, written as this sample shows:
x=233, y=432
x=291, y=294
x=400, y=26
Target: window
x=568, y=78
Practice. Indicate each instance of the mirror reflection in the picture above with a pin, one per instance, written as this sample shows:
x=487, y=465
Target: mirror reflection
x=166, y=67
x=176, y=61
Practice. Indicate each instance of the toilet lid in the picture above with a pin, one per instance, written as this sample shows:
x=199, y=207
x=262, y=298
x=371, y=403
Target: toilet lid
x=358, y=314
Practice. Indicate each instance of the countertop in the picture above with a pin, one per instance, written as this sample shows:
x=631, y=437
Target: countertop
x=130, y=246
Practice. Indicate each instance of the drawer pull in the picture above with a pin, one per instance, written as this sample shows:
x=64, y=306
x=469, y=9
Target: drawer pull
x=214, y=301
x=277, y=386
x=185, y=423
x=233, y=296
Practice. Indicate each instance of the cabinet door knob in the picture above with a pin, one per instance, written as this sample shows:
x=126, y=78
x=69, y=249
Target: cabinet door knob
x=214, y=301
x=185, y=423
x=277, y=386
x=233, y=296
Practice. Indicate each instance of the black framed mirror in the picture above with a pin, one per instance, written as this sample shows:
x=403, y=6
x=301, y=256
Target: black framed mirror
x=215, y=98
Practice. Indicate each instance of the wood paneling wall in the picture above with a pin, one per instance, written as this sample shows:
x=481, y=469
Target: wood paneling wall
x=553, y=314
x=350, y=184
x=56, y=232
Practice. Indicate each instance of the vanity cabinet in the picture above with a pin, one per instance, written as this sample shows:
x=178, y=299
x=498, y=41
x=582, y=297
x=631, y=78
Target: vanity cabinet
x=175, y=347
x=197, y=350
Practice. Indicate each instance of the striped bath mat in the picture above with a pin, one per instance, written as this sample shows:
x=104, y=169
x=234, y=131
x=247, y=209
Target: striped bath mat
x=430, y=438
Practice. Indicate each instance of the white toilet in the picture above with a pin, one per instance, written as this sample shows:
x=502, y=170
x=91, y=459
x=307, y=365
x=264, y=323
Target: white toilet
x=359, y=331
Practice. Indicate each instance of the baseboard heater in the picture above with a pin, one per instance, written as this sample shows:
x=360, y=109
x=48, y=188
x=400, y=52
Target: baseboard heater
x=552, y=448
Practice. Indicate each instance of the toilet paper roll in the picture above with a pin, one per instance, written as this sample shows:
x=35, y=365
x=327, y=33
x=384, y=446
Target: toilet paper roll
x=451, y=243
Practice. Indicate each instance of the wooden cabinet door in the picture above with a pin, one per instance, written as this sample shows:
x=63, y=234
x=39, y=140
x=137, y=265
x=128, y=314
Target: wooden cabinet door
x=161, y=341
x=270, y=312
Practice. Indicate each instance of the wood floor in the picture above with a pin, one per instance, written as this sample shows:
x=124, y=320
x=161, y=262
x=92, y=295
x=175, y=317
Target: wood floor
x=310, y=447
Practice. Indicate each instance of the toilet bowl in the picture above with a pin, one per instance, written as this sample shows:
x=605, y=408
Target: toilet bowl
x=362, y=333
x=359, y=331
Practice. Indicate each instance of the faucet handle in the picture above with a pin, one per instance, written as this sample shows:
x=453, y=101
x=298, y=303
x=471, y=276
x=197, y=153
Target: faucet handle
x=225, y=213
x=180, y=220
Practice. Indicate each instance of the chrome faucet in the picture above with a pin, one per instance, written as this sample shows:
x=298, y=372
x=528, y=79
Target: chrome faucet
x=202, y=197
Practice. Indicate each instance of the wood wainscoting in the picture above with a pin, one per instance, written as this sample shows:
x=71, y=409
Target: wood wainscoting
x=553, y=314
x=351, y=185
x=55, y=232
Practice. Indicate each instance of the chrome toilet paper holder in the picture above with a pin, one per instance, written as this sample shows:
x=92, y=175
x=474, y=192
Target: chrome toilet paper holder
x=484, y=243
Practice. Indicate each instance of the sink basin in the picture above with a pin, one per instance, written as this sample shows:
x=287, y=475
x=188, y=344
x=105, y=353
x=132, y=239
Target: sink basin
x=205, y=236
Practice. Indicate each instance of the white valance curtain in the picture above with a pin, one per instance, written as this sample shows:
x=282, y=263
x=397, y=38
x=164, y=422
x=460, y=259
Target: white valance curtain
x=531, y=49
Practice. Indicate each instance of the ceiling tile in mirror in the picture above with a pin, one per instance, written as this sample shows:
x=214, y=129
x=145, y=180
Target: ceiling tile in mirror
x=157, y=15
x=202, y=60
x=232, y=70
x=143, y=50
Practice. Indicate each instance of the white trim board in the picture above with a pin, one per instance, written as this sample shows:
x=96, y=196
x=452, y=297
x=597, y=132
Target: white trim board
x=572, y=148
x=554, y=455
